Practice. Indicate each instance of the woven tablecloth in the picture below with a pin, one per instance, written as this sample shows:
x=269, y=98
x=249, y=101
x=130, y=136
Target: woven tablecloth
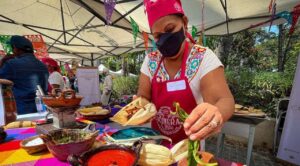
x=12, y=154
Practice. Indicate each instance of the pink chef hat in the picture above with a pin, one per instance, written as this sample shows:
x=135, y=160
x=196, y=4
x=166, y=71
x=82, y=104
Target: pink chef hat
x=159, y=8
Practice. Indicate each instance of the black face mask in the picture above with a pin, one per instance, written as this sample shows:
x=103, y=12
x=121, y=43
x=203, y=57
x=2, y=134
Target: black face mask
x=169, y=44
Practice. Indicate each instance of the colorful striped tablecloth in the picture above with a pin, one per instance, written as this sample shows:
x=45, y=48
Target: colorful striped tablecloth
x=12, y=154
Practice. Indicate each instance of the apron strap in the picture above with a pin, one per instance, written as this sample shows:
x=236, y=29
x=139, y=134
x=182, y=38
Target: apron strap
x=184, y=58
x=183, y=63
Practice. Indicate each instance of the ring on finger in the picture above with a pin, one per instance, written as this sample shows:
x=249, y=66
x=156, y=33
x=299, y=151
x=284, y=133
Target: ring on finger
x=213, y=124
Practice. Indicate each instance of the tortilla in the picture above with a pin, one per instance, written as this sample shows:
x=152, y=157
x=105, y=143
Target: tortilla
x=137, y=112
x=93, y=111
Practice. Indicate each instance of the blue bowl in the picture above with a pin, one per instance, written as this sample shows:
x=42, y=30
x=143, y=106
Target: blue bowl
x=134, y=132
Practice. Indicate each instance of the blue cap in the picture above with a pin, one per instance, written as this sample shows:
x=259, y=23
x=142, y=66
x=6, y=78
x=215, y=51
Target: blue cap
x=21, y=42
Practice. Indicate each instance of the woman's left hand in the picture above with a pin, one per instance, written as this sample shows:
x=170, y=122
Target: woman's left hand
x=204, y=121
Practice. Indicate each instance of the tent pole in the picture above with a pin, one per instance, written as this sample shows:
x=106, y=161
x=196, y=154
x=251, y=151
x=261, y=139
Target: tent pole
x=227, y=24
x=130, y=11
x=82, y=28
x=132, y=49
x=226, y=13
x=63, y=21
x=92, y=59
x=54, y=42
x=32, y=26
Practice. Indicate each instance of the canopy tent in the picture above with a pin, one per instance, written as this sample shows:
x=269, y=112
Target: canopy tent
x=101, y=68
x=77, y=28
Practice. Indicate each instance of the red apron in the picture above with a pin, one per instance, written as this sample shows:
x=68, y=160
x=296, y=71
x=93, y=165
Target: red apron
x=164, y=94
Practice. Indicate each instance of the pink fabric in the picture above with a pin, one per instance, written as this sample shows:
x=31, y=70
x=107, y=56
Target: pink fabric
x=49, y=61
x=156, y=9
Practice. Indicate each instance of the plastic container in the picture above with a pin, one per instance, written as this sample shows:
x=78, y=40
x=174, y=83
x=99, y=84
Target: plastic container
x=39, y=102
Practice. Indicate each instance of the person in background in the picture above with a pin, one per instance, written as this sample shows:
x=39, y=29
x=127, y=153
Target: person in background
x=55, y=80
x=26, y=72
x=107, y=87
x=71, y=76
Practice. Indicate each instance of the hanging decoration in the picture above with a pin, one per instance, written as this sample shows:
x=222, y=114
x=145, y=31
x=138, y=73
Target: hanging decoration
x=67, y=68
x=286, y=15
x=194, y=32
x=109, y=6
x=135, y=30
x=273, y=11
x=4, y=39
x=62, y=70
x=296, y=14
x=146, y=39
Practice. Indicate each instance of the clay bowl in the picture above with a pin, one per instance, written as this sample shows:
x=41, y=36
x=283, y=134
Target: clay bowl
x=108, y=155
x=67, y=98
x=63, y=142
x=31, y=149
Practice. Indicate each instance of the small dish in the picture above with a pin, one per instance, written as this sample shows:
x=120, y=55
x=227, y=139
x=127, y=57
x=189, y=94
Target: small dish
x=108, y=155
x=33, y=144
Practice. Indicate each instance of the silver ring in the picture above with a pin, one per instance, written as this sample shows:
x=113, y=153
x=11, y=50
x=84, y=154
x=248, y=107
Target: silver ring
x=213, y=124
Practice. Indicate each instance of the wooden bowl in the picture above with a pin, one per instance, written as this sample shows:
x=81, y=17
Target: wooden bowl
x=32, y=148
x=63, y=100
x=77, y=145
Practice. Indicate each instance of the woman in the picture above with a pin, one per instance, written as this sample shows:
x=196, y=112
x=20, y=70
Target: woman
x=56, y=80
x=182, y=72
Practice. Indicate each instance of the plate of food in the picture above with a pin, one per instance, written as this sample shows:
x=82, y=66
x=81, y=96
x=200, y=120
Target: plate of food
x=248, y=111
x=94, y=113
x=137, y=112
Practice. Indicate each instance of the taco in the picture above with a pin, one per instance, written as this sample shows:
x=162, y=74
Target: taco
x=137, y=112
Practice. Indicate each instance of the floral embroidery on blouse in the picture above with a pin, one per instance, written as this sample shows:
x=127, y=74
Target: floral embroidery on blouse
x=192, y=64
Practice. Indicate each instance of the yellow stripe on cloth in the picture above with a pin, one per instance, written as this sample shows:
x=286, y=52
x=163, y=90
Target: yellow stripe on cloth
x=21, y=155
x=4, y=155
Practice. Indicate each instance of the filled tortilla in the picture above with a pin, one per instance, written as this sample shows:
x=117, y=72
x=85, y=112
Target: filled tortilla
x=137, y=112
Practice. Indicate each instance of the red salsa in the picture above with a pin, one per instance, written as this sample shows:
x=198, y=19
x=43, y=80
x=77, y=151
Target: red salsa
x=112, y=158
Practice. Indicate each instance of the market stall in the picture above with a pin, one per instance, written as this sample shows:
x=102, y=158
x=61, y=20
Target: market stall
x=13, y=154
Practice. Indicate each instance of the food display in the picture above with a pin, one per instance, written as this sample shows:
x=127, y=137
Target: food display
x=137, y=112
x=20, y=124
x=61, y=143
x=33, y=144
x=241, y=110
